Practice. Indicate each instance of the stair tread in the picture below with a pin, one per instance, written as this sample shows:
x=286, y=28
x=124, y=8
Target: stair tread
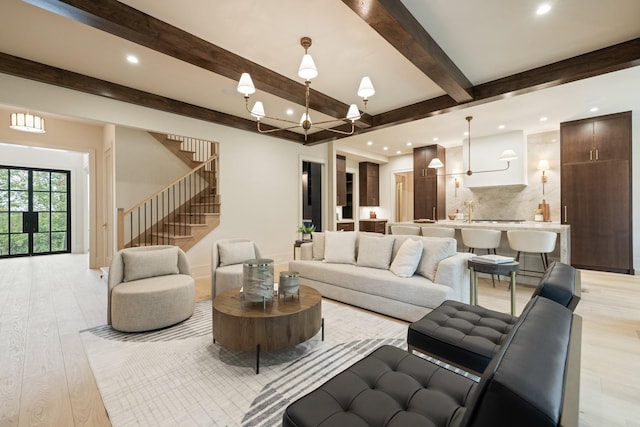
x=173, y=236
x=186, y=224
x=201, y=213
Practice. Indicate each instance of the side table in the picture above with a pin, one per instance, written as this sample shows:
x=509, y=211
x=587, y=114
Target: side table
x=299, y=243
x=504, y=269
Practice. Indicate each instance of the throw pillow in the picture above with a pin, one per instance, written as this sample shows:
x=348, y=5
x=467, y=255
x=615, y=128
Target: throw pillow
x=407, y=259
x=149, y=263
x=231, y=253
x=340, y=247
x=435, y=250
x=374, y=251
x=318, y=246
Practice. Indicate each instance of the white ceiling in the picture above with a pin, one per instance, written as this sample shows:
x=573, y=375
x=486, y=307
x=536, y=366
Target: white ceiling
x=486, y=39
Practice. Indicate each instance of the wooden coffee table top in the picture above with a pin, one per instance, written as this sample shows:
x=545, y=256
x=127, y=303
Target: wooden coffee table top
x=280, y=324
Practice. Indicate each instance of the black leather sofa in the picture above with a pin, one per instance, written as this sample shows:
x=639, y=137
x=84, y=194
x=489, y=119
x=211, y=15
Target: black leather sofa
x=530, y=382
x=469, y=336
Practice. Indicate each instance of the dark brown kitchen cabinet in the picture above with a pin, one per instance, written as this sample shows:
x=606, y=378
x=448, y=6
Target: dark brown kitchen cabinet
x=345, y=226
x=429, y=197
x=373, y=225
x=601, y=138
x=369, y=184
x=341, y=180
x=596, y=190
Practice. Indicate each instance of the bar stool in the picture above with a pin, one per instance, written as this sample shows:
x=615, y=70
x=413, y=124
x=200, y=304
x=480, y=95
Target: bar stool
x=532, y=241
x=476, y=238
x=429, y=231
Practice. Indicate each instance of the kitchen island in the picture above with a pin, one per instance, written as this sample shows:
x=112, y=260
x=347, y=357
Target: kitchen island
x=563, y=245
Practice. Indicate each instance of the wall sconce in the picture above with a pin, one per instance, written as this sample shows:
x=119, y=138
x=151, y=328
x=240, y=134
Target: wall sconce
x=456, y=181
x=543, y=166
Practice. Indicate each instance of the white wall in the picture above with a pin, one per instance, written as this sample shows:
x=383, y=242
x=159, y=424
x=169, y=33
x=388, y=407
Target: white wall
x=259, y=175
x=143, y=166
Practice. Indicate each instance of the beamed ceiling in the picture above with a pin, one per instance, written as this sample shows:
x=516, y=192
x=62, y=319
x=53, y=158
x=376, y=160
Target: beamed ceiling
x=415, y=77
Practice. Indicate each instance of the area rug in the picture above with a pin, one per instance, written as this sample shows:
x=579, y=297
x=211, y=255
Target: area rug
x=179, y=377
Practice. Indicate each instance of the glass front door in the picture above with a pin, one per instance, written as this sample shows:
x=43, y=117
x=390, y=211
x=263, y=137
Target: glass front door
x=35, y=214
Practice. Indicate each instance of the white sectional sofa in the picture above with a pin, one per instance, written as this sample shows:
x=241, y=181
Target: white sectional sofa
x=376, y=272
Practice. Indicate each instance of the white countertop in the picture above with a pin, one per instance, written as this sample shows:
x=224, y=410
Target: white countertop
x=497, y=225
x=563, y=230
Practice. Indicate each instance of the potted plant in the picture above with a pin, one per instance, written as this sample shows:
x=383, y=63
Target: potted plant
x=306, y=231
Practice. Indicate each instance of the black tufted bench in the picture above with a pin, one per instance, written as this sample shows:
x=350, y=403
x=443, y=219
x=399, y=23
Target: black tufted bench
x=468, y=336
x=530, y=382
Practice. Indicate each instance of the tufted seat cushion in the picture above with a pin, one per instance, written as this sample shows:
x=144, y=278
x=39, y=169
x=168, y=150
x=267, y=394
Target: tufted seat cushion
x=464, y=335
x=389, y=387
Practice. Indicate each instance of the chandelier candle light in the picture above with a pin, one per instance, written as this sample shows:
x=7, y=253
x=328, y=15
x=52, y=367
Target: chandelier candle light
x=306, y=71
x=507, y=156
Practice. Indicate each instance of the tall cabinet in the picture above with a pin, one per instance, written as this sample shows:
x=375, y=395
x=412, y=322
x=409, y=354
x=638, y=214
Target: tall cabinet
x=429, y=197
x=341, y=180
x=369, y=184
x=596, y=191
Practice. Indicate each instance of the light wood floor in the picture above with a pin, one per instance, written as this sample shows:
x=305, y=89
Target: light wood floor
x=45, y=378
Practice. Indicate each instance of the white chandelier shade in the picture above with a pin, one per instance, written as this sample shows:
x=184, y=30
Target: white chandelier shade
x=307, y=71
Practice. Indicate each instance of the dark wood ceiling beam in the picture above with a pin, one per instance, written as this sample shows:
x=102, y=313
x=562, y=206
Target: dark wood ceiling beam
x=591, y=64
x=25, y=68
x=135, y=26
x=392, y=20
x=613, y=58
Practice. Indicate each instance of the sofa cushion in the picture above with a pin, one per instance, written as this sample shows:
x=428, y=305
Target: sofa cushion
x=318, y=246
x=390, y=387
x=235, y=252
x=140, y=264
x=407, y=259
x=340, y=247
x=465, y=335
x=435, y=250
x=415, y=290
x=374, y=251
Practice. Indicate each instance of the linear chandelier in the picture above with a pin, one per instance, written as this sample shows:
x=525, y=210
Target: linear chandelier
x=306, y=71
x=27, y=123
x=507, y=156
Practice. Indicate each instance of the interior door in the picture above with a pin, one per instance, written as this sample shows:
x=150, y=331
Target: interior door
x=35, y=214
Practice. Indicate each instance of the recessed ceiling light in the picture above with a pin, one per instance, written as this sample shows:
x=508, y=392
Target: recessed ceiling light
x=132, y=59
x=398, y=152
x=466, y=133
x=501, y=127
x=385, y=148
x=594, y=109
x=369, y=143
x=409, y=144
x=543, y=9
x=289, y=111
x=435, y=138
x=543, y=119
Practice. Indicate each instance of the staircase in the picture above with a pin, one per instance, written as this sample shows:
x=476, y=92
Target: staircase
x=186, y=210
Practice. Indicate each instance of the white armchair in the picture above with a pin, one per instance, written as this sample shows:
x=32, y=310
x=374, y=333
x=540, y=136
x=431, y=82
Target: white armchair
x=149, y=287
x=227, y=257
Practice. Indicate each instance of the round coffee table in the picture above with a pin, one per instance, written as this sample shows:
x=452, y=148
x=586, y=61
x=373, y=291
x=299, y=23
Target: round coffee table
x=281, y=323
